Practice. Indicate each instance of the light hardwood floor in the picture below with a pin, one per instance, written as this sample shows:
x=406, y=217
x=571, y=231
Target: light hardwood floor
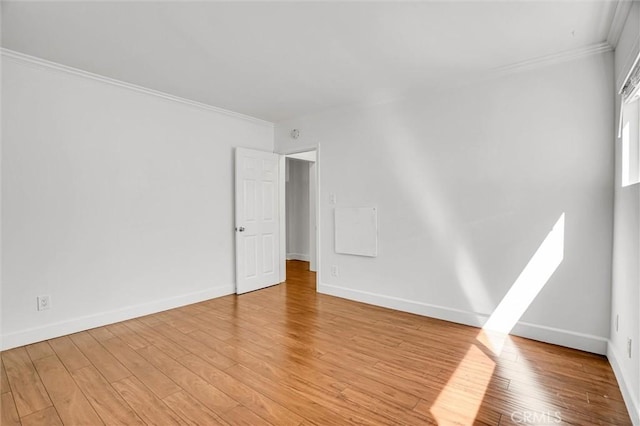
x=288, y=356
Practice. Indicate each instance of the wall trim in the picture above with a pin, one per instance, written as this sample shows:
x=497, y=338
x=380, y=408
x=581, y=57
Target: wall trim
x=43, y=63
x=630, y=400
x=556, y=58
x=495, y=72
x=556, y=336
x=50, y=331
x=479, y=77
x=298, y=256
x=620, y=14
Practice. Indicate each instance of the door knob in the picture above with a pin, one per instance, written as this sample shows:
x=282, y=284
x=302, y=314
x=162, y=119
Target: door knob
x=240, y=229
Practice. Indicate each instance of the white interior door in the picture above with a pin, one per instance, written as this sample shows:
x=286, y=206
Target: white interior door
x=257, y=220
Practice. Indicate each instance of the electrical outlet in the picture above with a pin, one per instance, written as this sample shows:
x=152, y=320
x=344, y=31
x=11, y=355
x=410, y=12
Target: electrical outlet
x=332, y=198
x=629, y=347
x=44, y=302
x=334, y=271
x=617, y=322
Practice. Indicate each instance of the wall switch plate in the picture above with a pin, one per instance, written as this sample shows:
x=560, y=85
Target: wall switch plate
x=629, y=347
x=617, y=322
x=334, y=271
x=44, y=302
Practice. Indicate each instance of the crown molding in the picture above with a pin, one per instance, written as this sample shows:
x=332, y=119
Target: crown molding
x=556, y=58
x=43, y=63
x=622, y=8
x=526, y=65
x=479, y=77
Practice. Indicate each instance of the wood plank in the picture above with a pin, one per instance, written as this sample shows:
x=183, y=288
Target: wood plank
x=195, y=346
x=298, y=402
x=247, y=396
x=154, y=338
x=112, y=369
x=29, y=393
x=242, y=416
x=392, y=412
x=458, y=412
x=108, y=403
x=71, y=404
x=154, y=379
x=39, y=350
x=148, y=406
x=69, y=354
x=4, y=381
x=215, y=328
x=180, y=321
x=194, y=309
x=324, y=375
x=150, y=320
x=8, y=412
x=131, y=338
x=101, y=333
x=210, y=396
x=47, y=417
x=191, y=411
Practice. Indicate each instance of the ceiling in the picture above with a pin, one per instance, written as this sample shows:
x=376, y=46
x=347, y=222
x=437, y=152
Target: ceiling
x=277, y=60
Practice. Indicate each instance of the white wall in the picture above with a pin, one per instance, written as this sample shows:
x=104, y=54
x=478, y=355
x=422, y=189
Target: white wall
x=297, y=193
x=468, y=183
x=116, y=202
x=625, y=295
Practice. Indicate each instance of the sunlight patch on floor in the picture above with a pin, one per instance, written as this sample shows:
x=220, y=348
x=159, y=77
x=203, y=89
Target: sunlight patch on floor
x=460, y=400
x=449, y=407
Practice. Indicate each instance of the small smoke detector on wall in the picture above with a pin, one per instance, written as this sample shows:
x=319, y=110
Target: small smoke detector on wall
x=295, y=134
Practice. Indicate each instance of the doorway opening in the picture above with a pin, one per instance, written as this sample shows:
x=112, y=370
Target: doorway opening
x=299, y=210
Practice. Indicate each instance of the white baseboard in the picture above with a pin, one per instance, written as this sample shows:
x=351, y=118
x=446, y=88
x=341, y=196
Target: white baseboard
x=630, y=399
x=571, y=339
x=561, y=337
x=298, y=256
x=74, y=325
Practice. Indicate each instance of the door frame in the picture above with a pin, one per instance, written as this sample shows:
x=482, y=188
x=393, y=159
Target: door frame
x=283, y=211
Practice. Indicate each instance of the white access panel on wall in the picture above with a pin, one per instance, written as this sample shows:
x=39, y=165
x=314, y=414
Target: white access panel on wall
x=356, y=231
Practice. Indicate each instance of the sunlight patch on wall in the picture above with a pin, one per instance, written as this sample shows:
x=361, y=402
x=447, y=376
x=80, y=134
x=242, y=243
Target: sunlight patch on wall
x=531, y=280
